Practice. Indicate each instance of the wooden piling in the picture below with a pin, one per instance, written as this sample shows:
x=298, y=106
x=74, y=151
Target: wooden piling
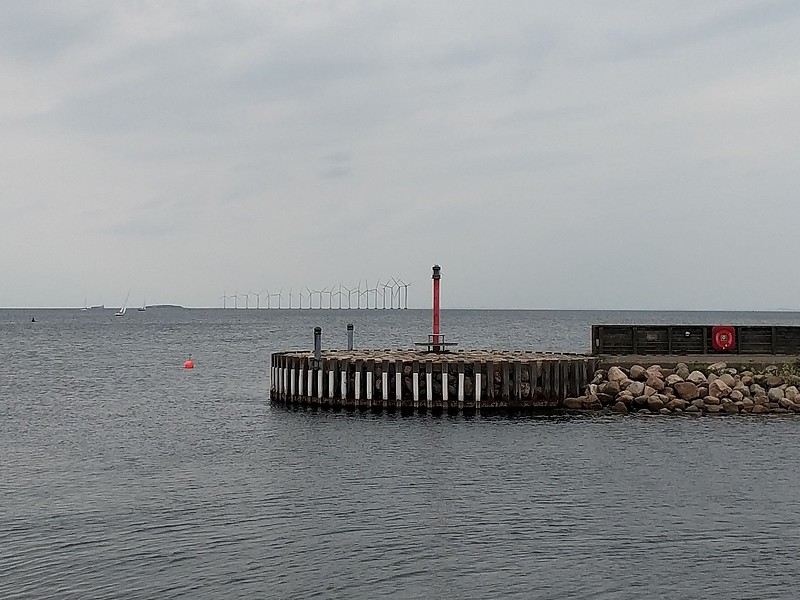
x=351, y=379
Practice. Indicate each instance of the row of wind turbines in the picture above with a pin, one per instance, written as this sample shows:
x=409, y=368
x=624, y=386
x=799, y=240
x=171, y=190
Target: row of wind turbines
x=391, y=294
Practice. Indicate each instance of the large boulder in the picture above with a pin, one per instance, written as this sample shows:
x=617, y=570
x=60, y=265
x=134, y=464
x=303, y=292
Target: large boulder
x=656, y=383
x=775, y=394
x=711, y=400
x=671, y=380
x=791, y=393
x=682, y=370
x=729, y=379
x=730, y=408
x=638, y=372
x=620, y=407
x=605, y=399
x=719, y=389
x=574, y=403
x=654, y=371
x=774, y=381
x=760, y=409
x=625, y=397
x=616, y=374
x=686, y=390
x=717, y=367
x=696, y=377
x=736, y=396
x=609, y=387
x=655, y=403
x=677, y=403
x=599, y=376
x=636, y=388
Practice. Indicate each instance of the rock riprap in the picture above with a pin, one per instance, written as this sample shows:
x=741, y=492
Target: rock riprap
x=715, y=389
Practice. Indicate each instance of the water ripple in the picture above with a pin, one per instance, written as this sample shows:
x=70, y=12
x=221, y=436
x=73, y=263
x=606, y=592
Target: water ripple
x=126, y=477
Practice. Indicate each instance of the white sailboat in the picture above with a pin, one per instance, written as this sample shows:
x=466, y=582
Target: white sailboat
x=121, y=311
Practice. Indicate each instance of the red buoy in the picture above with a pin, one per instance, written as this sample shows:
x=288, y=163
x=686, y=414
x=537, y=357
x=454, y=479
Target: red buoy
x=188, y=364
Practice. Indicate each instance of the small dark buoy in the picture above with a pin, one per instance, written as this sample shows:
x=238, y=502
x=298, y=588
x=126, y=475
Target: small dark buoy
x=33, y=319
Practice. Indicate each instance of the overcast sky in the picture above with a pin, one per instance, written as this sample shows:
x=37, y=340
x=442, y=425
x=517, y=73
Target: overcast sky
x=571, y=154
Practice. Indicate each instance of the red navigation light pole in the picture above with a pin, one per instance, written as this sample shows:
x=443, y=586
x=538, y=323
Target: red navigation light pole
x=437, y=276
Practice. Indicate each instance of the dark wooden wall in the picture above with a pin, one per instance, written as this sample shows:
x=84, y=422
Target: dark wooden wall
x=692, y=339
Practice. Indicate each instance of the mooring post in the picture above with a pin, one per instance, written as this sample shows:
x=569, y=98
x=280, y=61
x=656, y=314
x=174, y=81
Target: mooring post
x=317, y=346
x=350, y=328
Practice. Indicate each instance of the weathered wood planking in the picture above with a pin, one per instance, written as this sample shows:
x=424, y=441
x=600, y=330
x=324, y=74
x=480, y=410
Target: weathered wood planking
x=453, y=383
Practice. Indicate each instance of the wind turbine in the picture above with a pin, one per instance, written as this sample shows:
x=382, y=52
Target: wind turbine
x=405, y=287
x=349, y=295
x=375, y=293
x=320, y=292
x=236, y=300
x=339, y=293
x=224, y=298
x=384, y=286
x=395, y=292
x=330, y=297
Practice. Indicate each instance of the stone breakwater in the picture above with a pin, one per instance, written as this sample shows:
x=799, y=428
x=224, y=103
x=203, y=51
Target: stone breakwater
x=712, y=389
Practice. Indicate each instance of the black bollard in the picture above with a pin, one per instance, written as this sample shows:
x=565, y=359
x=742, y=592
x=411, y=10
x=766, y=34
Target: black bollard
x=350, y=328
x=317, y=346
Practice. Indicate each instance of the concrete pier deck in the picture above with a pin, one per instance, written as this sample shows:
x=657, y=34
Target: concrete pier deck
x=739, y=361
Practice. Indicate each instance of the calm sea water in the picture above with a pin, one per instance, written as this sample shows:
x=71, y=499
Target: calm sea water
x=126, y=476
